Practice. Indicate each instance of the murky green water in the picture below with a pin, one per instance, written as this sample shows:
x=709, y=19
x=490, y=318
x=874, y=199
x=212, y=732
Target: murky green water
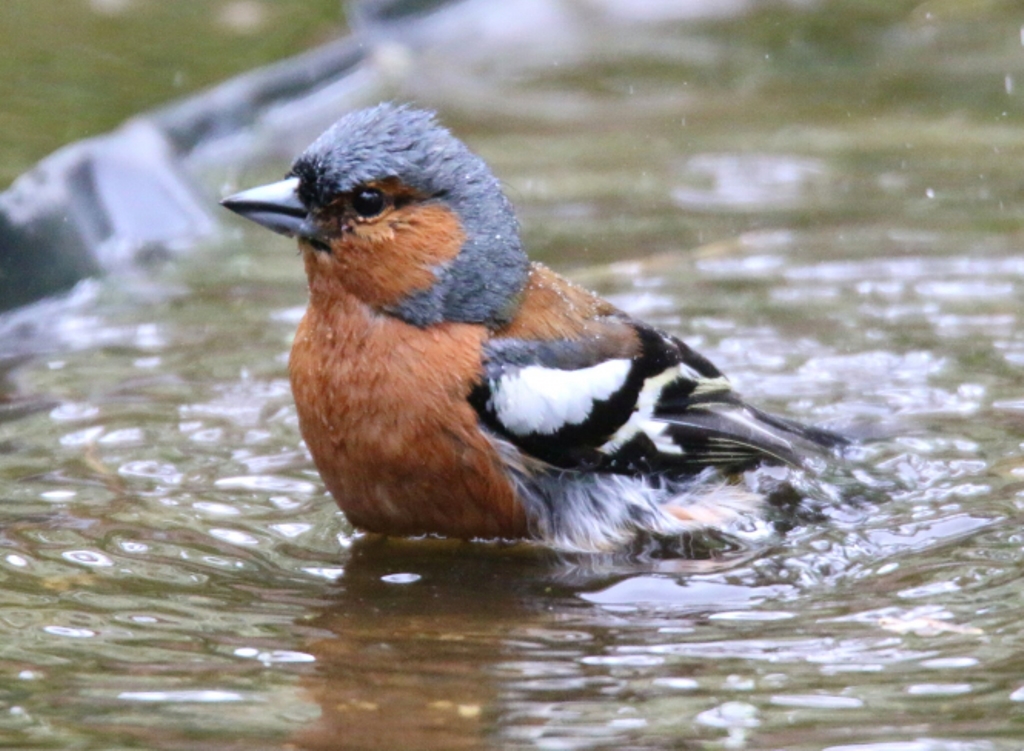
x=76, y=68
x=826, y=201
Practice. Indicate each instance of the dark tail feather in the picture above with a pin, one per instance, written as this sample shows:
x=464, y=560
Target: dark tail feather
x=740, y=437
x=823, y=437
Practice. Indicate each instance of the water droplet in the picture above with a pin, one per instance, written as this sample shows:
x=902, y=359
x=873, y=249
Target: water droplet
x=207, y=696
x=71, y=412
x=939, y=689
x=284, y=655
x=234, y=536
x=266, y=484
x=87, y=558
x=325, y=572
x=747, y=615
x=817, y=701
x=291, y=530
x=128, y=435
x=401, y=578
x=731, y=714
x=947, y=663
x=217, y=509
x=151, y=470
x=74, y=633
x=677, y=684
x=624, y=660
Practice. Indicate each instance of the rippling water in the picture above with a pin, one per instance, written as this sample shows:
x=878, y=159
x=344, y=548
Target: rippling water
x=174, y=576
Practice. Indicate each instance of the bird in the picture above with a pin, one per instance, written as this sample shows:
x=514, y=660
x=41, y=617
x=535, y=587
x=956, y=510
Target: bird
x=447, y=386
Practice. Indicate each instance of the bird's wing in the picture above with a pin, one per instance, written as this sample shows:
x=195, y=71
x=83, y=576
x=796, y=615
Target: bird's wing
x=631, y=400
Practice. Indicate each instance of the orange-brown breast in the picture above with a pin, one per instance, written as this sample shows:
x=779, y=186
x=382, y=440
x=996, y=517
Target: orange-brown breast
x=382, y=406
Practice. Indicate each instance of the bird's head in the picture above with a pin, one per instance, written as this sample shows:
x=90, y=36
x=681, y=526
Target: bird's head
x=388, y=206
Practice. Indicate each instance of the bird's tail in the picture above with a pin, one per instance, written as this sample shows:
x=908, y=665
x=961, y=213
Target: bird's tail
x=734, y=436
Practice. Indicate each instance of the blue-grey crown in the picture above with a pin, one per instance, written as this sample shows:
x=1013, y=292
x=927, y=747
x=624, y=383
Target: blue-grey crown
x=482, y=283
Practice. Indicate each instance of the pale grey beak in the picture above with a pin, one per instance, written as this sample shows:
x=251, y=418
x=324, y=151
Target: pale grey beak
x=276, y=206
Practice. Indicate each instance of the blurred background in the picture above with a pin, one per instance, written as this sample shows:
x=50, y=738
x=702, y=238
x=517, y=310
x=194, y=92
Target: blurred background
x=824, y=196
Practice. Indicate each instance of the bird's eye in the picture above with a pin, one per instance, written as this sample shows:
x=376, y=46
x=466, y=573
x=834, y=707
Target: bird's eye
x=368, y=202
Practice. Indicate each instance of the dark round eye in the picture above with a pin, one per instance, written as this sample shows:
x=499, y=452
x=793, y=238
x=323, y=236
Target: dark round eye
x=368, y=202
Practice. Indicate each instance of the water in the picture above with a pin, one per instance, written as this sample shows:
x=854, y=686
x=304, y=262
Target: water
x=824, y=201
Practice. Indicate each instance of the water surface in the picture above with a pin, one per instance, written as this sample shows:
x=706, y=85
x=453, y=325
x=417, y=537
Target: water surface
x=825, y=200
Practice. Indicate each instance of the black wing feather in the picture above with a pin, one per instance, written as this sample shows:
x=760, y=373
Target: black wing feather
x=695, y=420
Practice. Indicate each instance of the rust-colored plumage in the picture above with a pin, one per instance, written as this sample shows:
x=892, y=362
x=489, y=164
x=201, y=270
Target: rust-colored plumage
x=552, y=307
x=382, y=407
x=445, y=385
x=381, y=262
x=383, y=404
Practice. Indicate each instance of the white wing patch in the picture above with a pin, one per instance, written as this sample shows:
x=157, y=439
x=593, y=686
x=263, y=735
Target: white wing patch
x=643, y=421
x=539, y=400
x=640, y=421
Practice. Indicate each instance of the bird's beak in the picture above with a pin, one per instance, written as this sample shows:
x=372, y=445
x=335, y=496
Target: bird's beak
x=276, y=206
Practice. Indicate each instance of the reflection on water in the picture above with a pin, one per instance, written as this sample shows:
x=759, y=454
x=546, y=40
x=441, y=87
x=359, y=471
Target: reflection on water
x=174, y=576
x=758, y=181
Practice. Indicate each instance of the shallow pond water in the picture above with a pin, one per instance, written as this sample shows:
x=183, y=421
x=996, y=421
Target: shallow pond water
x=825, y=200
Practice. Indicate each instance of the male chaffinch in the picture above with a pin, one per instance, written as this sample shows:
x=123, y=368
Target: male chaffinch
x=446, y=385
